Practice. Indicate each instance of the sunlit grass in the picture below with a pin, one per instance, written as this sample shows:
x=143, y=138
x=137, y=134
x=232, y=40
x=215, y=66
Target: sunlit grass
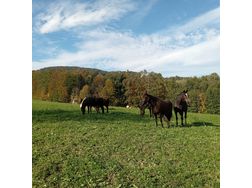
x=121, y=149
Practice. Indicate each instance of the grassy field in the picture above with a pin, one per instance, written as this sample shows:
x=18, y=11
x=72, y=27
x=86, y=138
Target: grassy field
x=121, y=149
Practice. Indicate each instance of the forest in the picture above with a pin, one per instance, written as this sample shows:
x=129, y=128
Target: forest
x=70, y=84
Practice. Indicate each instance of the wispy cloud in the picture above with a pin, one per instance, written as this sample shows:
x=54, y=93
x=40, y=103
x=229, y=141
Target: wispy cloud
x=138, y=16
x=208, y=19
x=66, y=14
x=184, y=47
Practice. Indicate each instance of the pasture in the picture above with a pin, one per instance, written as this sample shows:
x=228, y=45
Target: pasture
x=121, y=149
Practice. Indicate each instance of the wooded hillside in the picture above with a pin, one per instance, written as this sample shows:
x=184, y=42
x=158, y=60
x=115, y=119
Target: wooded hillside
x=67, y=84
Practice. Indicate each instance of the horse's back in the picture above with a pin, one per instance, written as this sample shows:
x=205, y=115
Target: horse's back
x=163, y=106
x=167, y=104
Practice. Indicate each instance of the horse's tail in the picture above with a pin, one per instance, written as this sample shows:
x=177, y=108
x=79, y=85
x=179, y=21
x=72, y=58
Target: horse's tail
x=170, y=112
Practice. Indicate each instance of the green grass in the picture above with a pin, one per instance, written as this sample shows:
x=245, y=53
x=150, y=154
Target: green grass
x=121, y=149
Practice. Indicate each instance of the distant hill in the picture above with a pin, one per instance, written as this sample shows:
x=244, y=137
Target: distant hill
x=70, y=68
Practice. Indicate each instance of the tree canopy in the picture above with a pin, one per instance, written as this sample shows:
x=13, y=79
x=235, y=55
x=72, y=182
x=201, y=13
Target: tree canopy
x=64, y=84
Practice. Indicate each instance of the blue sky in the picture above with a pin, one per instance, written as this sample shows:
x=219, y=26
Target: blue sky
x=170, y=37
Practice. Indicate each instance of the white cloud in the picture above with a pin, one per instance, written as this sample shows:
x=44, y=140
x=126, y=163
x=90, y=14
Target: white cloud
x=208, y=19
x=187, y=49
x=66, y=14
x=203, y=54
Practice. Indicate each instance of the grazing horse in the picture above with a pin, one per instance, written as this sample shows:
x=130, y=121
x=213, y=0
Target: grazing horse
x=180, y=106
x=96, y=102
x=103, y=102
x=99, y=103
x=143, y=107
x=86, y=102
x=158, y=106
x=91, y=102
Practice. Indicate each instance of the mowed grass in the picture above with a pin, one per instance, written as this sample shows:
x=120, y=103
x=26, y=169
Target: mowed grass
x=121, y=149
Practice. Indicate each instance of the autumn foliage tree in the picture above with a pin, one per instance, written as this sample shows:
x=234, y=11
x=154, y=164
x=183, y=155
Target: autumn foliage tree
x=63, y=84
x=98, y=84
x=108, y=89
x=202, y=103
x=85, y=91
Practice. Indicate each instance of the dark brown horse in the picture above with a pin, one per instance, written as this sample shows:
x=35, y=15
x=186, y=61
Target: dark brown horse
x=86, y=102
x=181, y=104
x=104, y=102
x=158, y=107
x=90, y=102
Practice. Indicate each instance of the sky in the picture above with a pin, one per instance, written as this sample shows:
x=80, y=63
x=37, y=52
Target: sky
x=170, y=37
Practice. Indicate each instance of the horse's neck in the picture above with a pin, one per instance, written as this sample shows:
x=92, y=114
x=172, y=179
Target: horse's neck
x=152, y=97
x=180, y=103
x=177, y=102
x=153, y=101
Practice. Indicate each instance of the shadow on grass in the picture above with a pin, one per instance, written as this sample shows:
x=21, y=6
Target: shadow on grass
x=59, y=115
x=202, y=123
x=76, y=115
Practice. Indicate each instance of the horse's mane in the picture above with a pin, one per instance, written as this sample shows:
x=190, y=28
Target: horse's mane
x=153, y=99
x=180, y=94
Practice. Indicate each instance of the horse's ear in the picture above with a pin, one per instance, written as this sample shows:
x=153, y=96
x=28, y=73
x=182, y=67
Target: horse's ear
x=186, y=91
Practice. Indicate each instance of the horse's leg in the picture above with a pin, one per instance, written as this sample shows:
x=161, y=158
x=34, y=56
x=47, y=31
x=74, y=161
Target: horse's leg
x=185, y=118
x=142, y=111
x=107, y=108
x=102, y=109
x=168, y=120
x=83, y=109
x=176, y=114
x=156, y=118
x=161, y=119
x=97, y=109
x=181, y=114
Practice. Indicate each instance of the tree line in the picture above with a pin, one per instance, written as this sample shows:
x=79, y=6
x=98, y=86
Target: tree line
x=68, y=84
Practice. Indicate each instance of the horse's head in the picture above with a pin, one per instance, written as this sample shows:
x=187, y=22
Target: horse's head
x=146, y=100
x=141, y=106
x=144, y=103
x=185, y=97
